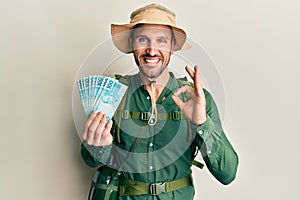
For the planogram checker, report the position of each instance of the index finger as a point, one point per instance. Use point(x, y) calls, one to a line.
point(195, 75)
point(190, 72)
point(197, 81)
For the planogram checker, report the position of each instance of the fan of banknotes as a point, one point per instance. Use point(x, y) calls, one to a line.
point(101, 94)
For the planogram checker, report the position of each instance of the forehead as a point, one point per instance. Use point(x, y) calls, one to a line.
point(157, 29)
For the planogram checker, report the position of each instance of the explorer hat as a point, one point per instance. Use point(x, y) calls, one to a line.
point(150, 14)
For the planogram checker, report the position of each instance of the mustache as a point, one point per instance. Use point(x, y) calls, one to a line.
point(151, 56)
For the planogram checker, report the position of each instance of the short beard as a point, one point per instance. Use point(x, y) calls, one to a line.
point(161, 70)
point(152, 76)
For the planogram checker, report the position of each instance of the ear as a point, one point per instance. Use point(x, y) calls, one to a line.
point(172, 46)
point(130, 44)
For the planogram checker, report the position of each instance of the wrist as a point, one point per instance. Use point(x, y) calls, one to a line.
point(200, 121)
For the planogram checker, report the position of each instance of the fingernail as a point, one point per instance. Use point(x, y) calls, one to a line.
point(98, 114)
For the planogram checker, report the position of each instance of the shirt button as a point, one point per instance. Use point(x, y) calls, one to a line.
point(151, 167)
point(201, 132)
point(208, 152)
point(151, 144)
point(148, 97)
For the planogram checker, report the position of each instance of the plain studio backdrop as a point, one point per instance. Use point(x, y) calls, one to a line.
point(255, 46)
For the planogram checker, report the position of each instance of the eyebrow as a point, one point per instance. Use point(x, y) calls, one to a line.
point(159, 37)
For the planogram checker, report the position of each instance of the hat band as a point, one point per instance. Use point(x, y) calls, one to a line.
point(153, 17)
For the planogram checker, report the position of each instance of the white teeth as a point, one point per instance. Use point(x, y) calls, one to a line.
point(152, 60)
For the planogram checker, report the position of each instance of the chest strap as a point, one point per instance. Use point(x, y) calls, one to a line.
point(126, 114)
point(130, 187)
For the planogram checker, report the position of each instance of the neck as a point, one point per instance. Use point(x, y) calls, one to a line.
point(160, 83)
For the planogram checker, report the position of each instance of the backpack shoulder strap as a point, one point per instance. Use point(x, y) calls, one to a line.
point(122, 79)
point(182, 82)
point(194, 148)
point(117, 117)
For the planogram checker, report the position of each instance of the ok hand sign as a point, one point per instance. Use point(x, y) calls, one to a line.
point(195, 108)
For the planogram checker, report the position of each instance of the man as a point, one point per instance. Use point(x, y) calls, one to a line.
point(168, 118)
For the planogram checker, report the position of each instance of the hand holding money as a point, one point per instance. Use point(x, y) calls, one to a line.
point(100, 97)
point(96, 131)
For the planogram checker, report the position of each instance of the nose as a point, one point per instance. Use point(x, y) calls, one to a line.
point(151, 49)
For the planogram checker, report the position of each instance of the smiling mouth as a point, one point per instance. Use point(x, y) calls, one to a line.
point(151, 60)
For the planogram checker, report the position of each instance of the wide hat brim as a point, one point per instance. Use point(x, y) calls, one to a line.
point(121, 34)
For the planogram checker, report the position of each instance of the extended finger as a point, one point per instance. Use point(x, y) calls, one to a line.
point(197, 81)
point(197, 76)
point(190, 72)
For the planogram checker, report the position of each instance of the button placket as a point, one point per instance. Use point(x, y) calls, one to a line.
point(150, 148)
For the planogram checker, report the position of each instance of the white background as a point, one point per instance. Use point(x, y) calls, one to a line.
point(255, 45)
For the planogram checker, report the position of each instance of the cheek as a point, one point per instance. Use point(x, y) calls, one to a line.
point(167, 56)
point(136, 55)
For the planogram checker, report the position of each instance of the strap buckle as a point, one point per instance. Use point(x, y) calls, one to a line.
point(145, 115)
point(125, 114)
point(157, 188)
point(176, 115)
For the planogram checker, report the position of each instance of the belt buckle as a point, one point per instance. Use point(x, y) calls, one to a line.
point(157, 188)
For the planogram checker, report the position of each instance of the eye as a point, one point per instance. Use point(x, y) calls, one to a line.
point(162, 41)
point(142, 40)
